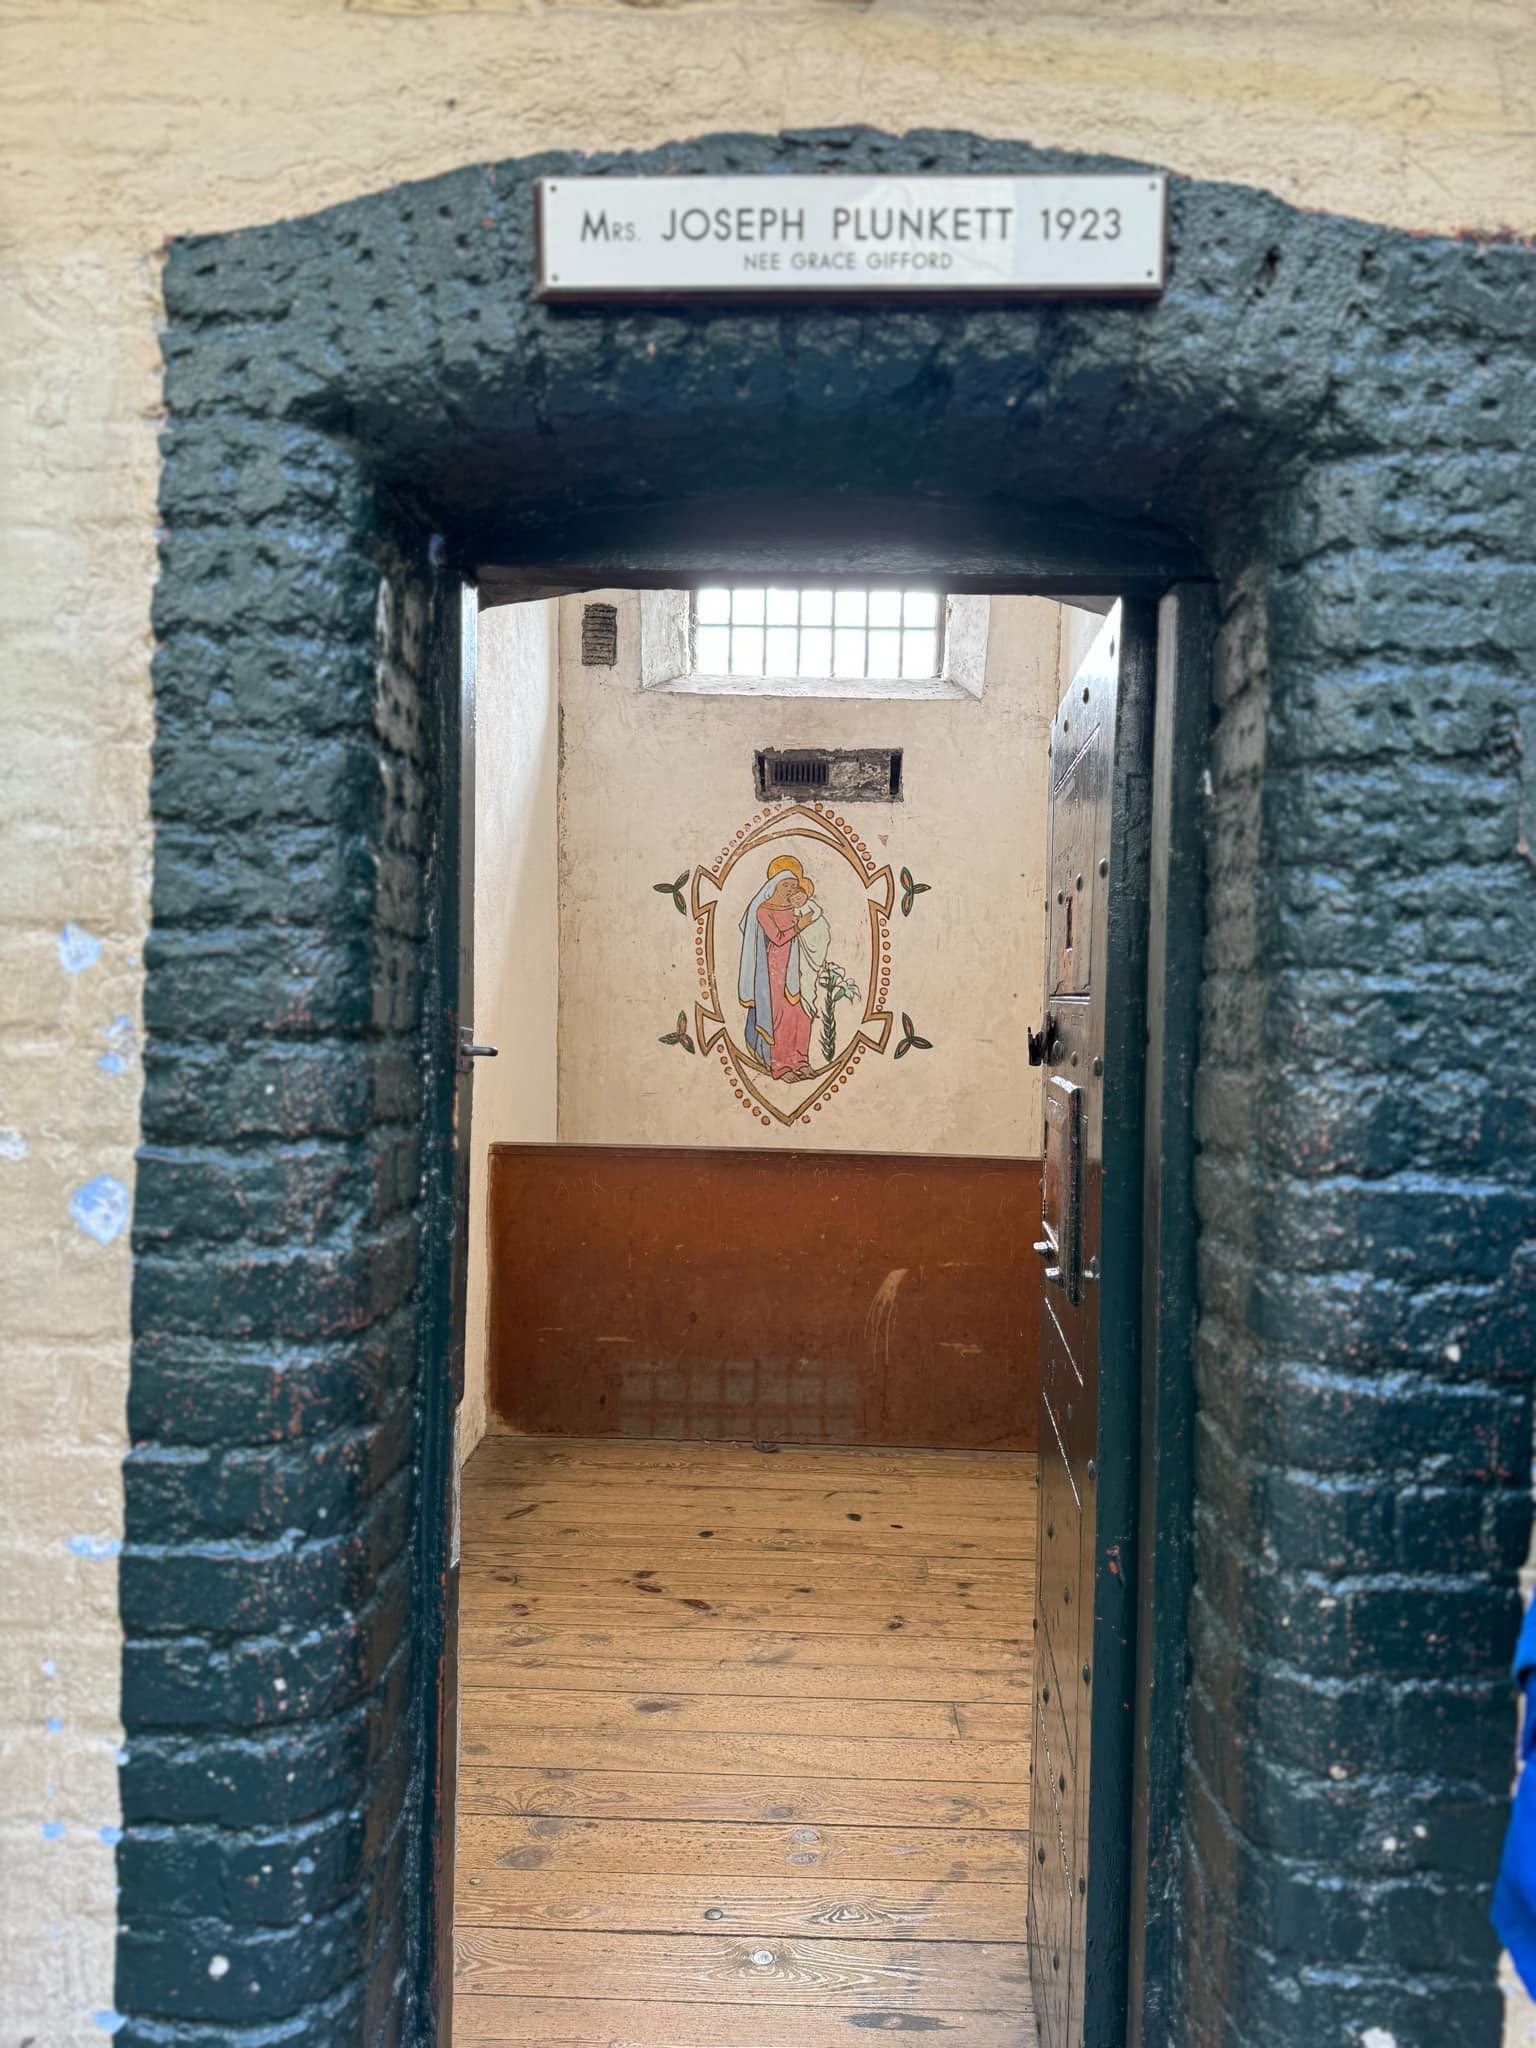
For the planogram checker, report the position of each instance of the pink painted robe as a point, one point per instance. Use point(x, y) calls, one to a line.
point(791, 1026)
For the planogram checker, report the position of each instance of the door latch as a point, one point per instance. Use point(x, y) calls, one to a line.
point(468, 1050)
point(1044, 1042)
point(1047, 1251)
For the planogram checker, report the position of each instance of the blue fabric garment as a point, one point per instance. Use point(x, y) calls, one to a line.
point(1514, 1894)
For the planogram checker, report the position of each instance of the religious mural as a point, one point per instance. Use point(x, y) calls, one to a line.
point(792, 946)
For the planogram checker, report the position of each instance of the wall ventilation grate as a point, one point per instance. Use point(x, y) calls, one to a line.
point(851, 775)
point(599, 635)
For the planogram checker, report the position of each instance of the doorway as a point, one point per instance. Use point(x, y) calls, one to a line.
point(317, 519)
point(747, 1615)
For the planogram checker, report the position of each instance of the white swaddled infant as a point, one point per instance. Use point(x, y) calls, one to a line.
point(815, 936)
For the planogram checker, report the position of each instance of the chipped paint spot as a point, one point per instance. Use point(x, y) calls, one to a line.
point(218, 1966)
point(96, 1546)
point(1377, 2037)
point(78, 949)
point(12, 1144)
point(100, 1208)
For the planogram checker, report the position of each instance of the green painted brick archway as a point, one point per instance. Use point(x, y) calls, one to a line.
point(1335, 420)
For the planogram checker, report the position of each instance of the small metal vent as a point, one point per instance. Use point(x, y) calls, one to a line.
point(852, 775)
point(599, 635)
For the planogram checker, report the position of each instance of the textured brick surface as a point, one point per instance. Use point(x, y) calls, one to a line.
point(1337, 416)
point(273, 1766)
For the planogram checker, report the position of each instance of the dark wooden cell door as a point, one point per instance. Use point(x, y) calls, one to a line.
point(451, 682)
point(1089, 1243)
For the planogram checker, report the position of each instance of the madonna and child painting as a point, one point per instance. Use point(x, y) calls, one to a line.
point(787, 985)
point(794, 885)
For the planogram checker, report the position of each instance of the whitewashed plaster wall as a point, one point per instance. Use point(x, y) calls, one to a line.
point(517, 926)
point(653, 782)
point(128, 121)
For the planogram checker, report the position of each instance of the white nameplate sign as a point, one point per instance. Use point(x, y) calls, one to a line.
point(1080, 234)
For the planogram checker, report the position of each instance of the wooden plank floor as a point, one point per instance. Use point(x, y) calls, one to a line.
point(744, 1746)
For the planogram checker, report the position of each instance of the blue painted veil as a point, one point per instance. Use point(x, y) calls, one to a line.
point(752, 978)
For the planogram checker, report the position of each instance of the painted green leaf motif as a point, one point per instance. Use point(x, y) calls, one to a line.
point(910, 1042)
point(680, 1035)
point(675, 891)
point(910, 891)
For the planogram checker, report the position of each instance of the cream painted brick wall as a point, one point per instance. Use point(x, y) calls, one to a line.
point(124, 121)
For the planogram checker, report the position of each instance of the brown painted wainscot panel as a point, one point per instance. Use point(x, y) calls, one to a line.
point(788, 1297)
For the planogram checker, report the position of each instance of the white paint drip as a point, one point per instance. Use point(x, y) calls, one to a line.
point(882, 1316)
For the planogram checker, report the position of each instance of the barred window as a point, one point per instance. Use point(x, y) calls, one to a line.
point(787, 632)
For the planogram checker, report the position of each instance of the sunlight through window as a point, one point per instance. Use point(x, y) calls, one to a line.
point(788, 633)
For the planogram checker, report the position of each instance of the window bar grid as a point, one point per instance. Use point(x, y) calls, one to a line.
point(837, 633)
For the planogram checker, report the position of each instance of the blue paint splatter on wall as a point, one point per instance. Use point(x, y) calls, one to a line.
point(50, 1830)
point(100, 1208)
point(120, 1037)
point(111, 1836)
point(110, 2022)
point(95, 1546)
point(78, 949)
point(54, 1725)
